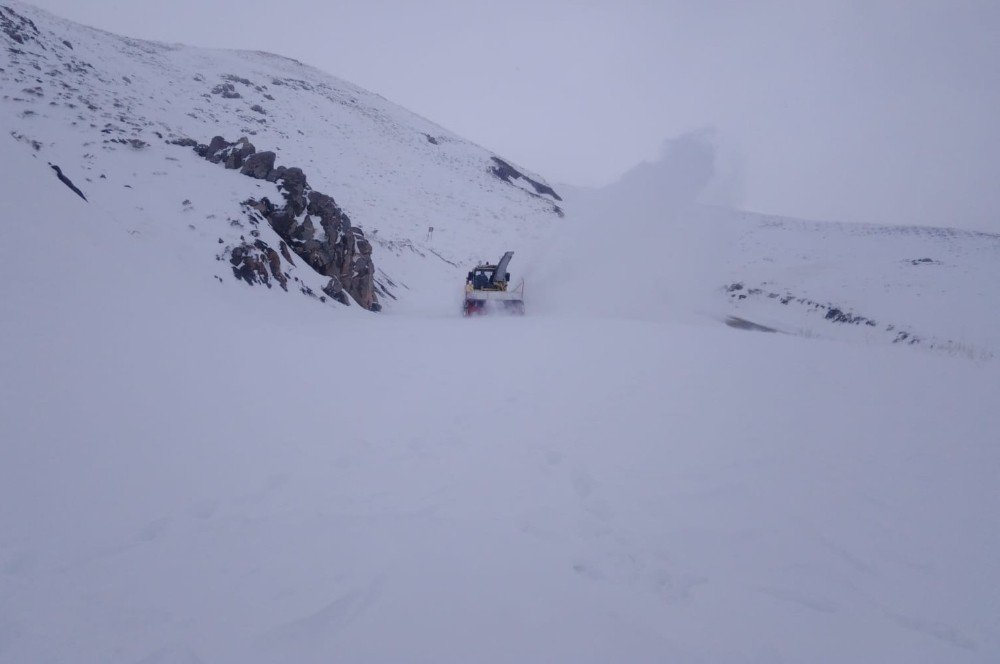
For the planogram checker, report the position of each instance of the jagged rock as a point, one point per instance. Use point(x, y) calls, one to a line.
point(257, 263)
point(342, 253)
point(238, 153)
point(283, 222)
point(335, 290)
point(326, 209)
point(215, 147)
point(293, 184)
point(362, 284)
point(259, 165)
point(248, 266)
point(508, 173)
point(307, 231)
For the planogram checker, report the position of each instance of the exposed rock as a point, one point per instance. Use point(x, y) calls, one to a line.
point(341, 252)
point(335, 290)
point(136, 143)
point(237, 79)
point(227, 90)
point(305, 231)
point(214, 148)
point(508, 174)
point(257, 263)
point(185, 142)
point(238, 153)
point(259, 165)
point(66, 181)
point(232, 155)
point(257, 108)
point(276, 174)
point(17, 27)
point(292, 184)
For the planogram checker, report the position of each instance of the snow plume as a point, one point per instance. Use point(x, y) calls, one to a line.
point(640, 247)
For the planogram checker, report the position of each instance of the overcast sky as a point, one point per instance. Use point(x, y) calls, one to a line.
point(865, 110)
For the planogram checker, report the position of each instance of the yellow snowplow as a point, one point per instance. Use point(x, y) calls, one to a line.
point(488, 290)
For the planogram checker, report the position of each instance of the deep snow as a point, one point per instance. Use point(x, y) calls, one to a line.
point(200, 471)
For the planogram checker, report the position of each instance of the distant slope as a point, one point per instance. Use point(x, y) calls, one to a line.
point(645, 247)
point(916, 286)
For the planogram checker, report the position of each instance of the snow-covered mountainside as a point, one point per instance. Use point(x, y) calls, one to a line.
point(194, 469)
point(108, 111)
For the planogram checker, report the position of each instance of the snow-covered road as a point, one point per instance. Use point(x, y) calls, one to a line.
point(214, 485)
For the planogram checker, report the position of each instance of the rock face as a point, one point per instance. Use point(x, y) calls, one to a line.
point(310, 222)
point(508, 173)
point(504, 171)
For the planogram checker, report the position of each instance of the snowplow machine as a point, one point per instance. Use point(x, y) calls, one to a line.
point(488, 290)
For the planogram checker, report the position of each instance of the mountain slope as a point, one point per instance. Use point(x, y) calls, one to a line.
point(102, 106)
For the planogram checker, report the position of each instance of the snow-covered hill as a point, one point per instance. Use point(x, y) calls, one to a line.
point(104, 109)
point(196, 470)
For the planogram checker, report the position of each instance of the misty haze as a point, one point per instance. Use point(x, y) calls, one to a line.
point(499, 332)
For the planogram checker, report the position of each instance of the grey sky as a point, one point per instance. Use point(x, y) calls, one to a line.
point(861, 110)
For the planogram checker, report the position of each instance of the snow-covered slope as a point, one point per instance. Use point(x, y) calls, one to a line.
point(102, 106)
point(194, 470)
point(646, 247)
point(932, 288)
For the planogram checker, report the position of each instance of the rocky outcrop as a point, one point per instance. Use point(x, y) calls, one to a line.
point(310, 222)
point(227, 90)
point(257, 263)
point(231, 154)
point(504, 171)
point(17, 28)
point(259, 165)
point(508, 173)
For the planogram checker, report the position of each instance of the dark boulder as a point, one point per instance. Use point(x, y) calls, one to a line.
point(238, 153)
point(215, 148)
point(276, 174)
point(259, 165)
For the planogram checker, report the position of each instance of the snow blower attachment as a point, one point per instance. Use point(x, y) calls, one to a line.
point(487, 290)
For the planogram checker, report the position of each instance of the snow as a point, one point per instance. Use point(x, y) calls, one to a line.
point(201, 471)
